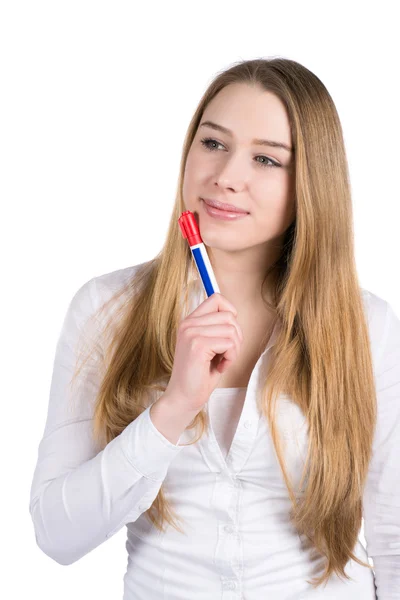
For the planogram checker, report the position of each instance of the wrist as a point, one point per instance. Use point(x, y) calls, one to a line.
point(169, 416)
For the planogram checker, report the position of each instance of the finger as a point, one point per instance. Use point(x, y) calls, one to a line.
point(215, 302)
point(215, 318)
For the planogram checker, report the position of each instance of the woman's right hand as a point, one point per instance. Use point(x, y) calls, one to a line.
point(208, 343)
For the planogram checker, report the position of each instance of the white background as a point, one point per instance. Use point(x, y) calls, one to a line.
point(96, 98)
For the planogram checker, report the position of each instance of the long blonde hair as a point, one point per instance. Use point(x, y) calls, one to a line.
point(321, 357)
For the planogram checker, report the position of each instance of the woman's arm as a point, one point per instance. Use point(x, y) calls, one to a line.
point(382, 492)
point(81, 496)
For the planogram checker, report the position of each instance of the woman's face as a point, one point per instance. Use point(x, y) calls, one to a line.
point(234, 167)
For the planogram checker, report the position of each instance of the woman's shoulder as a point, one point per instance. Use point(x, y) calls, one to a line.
point(115, 280)
point(101, 287)
point(383, 324)
point(378, 309)
point(96, 295)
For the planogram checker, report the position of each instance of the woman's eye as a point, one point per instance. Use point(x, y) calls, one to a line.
point(207, 143)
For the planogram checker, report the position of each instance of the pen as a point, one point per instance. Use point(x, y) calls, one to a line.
point(191, 232)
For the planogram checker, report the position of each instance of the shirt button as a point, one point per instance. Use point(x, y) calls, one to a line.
point(230, 585)
point(229, 528)
point(247, 424)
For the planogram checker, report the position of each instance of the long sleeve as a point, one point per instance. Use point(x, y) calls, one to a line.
point(80, 496)
point(382, 492)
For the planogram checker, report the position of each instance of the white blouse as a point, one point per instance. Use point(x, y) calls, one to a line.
point(228, 487)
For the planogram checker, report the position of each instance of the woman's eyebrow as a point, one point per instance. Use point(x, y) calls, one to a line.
point(256, 141)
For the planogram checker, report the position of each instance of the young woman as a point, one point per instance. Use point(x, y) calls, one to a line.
point(265, 418)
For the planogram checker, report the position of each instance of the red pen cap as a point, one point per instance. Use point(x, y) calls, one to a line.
point(190, 229)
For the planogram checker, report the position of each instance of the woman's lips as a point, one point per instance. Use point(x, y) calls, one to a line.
point(224, 207)
point(223, 215)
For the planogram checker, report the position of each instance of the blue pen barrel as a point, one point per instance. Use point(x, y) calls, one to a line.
point(205, 269)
